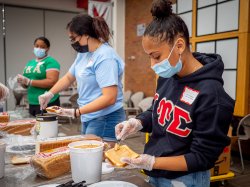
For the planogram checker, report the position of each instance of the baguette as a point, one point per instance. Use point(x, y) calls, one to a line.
point(114, 155)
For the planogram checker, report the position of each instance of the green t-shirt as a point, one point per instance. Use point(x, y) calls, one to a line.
point(35, 70)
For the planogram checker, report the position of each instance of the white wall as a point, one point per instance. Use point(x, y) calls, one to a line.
point(119, 28)
point(60, 49)
point(67, 5)
point(22, 27)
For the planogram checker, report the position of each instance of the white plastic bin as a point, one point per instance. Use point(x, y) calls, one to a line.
point(46, 126)
point(86, 163)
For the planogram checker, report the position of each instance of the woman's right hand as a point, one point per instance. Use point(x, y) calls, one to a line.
point(23, 80)
point(4, 92)
point(126, 128)
point(44, 99)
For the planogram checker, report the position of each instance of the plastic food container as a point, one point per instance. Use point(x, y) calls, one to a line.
point(86, 160)
point(46, 126)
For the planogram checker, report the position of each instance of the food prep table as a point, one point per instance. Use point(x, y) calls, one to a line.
point(22, 176)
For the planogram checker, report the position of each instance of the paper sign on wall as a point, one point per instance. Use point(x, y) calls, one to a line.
point(101, 9)
point(140, 29)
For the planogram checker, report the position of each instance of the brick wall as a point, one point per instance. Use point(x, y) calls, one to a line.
point(138, 74)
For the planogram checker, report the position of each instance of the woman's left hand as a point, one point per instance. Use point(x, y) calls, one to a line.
point(144, 161)
point(68, 112)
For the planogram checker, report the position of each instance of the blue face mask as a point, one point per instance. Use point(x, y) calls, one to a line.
point(164, 68)
point(39, 52)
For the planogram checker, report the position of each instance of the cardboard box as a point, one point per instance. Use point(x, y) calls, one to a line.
point(222, 165)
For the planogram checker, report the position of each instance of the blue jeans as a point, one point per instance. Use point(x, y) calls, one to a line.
point(197, 179)
point(104, 126)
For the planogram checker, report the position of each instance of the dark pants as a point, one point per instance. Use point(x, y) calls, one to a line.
point(35, 109)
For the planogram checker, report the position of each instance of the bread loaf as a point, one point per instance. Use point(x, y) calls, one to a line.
point(21, 127)
point(114, 155)
point(51, 163)
point(4, 117)
point(52, 143)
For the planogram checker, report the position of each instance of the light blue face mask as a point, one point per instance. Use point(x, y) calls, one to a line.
point(39, 52)
point(164, 68)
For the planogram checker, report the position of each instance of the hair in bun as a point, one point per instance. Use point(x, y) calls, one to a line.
point(166, 26)
point(161, 9)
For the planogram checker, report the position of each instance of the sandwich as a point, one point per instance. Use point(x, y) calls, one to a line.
point(114, 155)
point(53, 109)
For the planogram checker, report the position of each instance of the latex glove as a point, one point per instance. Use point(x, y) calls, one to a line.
point(23, 80)
point(126, 128)
point(144, 161)
point(4, 92)
point(44, 99)
point(68, 112)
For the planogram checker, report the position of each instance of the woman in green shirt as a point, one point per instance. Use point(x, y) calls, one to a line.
point(39, 75)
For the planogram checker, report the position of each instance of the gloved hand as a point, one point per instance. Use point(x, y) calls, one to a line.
point(4, 92)
point(68, 112)
point(126, 128)
point(144, 161)
point(44, 99)
point(23, 80)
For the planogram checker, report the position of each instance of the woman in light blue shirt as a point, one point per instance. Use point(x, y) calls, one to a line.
point(98, 70)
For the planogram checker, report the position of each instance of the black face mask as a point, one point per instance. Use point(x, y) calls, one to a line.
point(79, 48)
